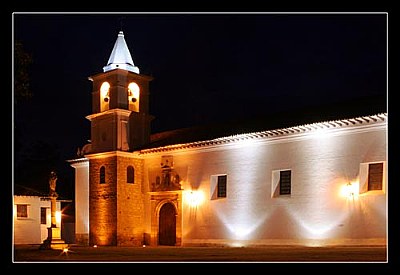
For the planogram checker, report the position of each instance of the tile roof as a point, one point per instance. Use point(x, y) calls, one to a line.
point(363, 109)
point(28, 191)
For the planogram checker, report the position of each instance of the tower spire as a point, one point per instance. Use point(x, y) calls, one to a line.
point(120, 57)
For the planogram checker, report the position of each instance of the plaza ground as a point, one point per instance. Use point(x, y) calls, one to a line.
point(274, 254)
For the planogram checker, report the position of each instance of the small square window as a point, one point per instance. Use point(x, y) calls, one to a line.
point(375, 176)
point(372, 177)
point(218, 186)
point(281, 183)
point(22, 211)
point(221, 186)
point(102, 174)
point(285, 182)
point(130, 174)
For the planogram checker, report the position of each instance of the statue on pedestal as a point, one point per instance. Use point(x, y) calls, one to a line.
point(53, 240)
point(52, 184)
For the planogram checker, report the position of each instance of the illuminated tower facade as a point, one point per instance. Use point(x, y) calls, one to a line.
point(120, 123)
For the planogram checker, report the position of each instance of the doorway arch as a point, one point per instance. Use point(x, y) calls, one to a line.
point(167, 225)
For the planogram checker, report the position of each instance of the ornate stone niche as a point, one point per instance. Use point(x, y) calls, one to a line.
point(167, 179)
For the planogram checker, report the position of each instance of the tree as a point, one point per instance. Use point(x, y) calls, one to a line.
point(22, 91)
point(22, 62)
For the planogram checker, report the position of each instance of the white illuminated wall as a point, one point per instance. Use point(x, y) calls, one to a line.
point(81, 200)
point(318, 211)
point(29, 230)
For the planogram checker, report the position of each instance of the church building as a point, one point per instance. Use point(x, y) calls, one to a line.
point(317, 183)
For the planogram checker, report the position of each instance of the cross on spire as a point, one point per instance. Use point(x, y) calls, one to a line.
point(121, 22)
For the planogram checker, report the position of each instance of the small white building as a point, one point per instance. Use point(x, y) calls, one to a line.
point(316, 183)
point(32, 217)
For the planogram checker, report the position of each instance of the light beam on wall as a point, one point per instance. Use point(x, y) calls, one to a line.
point(240, 216)
point(242, 227)
point(321, 222)
point(320, 228)
point(102, 218)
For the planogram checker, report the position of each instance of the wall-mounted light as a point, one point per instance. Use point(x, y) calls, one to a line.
point(194, 198)
point(350, 190)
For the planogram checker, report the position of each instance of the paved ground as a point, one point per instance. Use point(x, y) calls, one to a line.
point(32, 253)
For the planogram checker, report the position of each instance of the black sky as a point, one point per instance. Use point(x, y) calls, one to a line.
point(207, 67)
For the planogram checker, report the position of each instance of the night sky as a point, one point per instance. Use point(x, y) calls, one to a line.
point(206, 67)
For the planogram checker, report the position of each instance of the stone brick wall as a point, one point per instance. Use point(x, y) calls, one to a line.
point(103, 202)
point(130, 205)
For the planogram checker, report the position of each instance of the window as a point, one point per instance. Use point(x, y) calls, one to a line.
point(130, 174)
point(281, 183)
point(102, 174)
point(285, 182)
point(372, 177)
point(43, 215)
point(375, 176)
point(22, 211)
point(133, 96)
point(221, 186)
point(218, 186)
point(104, 96)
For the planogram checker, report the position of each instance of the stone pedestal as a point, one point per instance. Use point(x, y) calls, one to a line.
point(54, 237)
point(53, 240)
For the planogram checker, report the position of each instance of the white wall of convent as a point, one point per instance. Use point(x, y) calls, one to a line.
point(317, 211)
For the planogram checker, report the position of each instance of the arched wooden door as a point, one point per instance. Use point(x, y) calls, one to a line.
point(167, 225)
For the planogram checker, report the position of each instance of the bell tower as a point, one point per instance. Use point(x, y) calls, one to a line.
point(120, 124)
point(120, 119)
